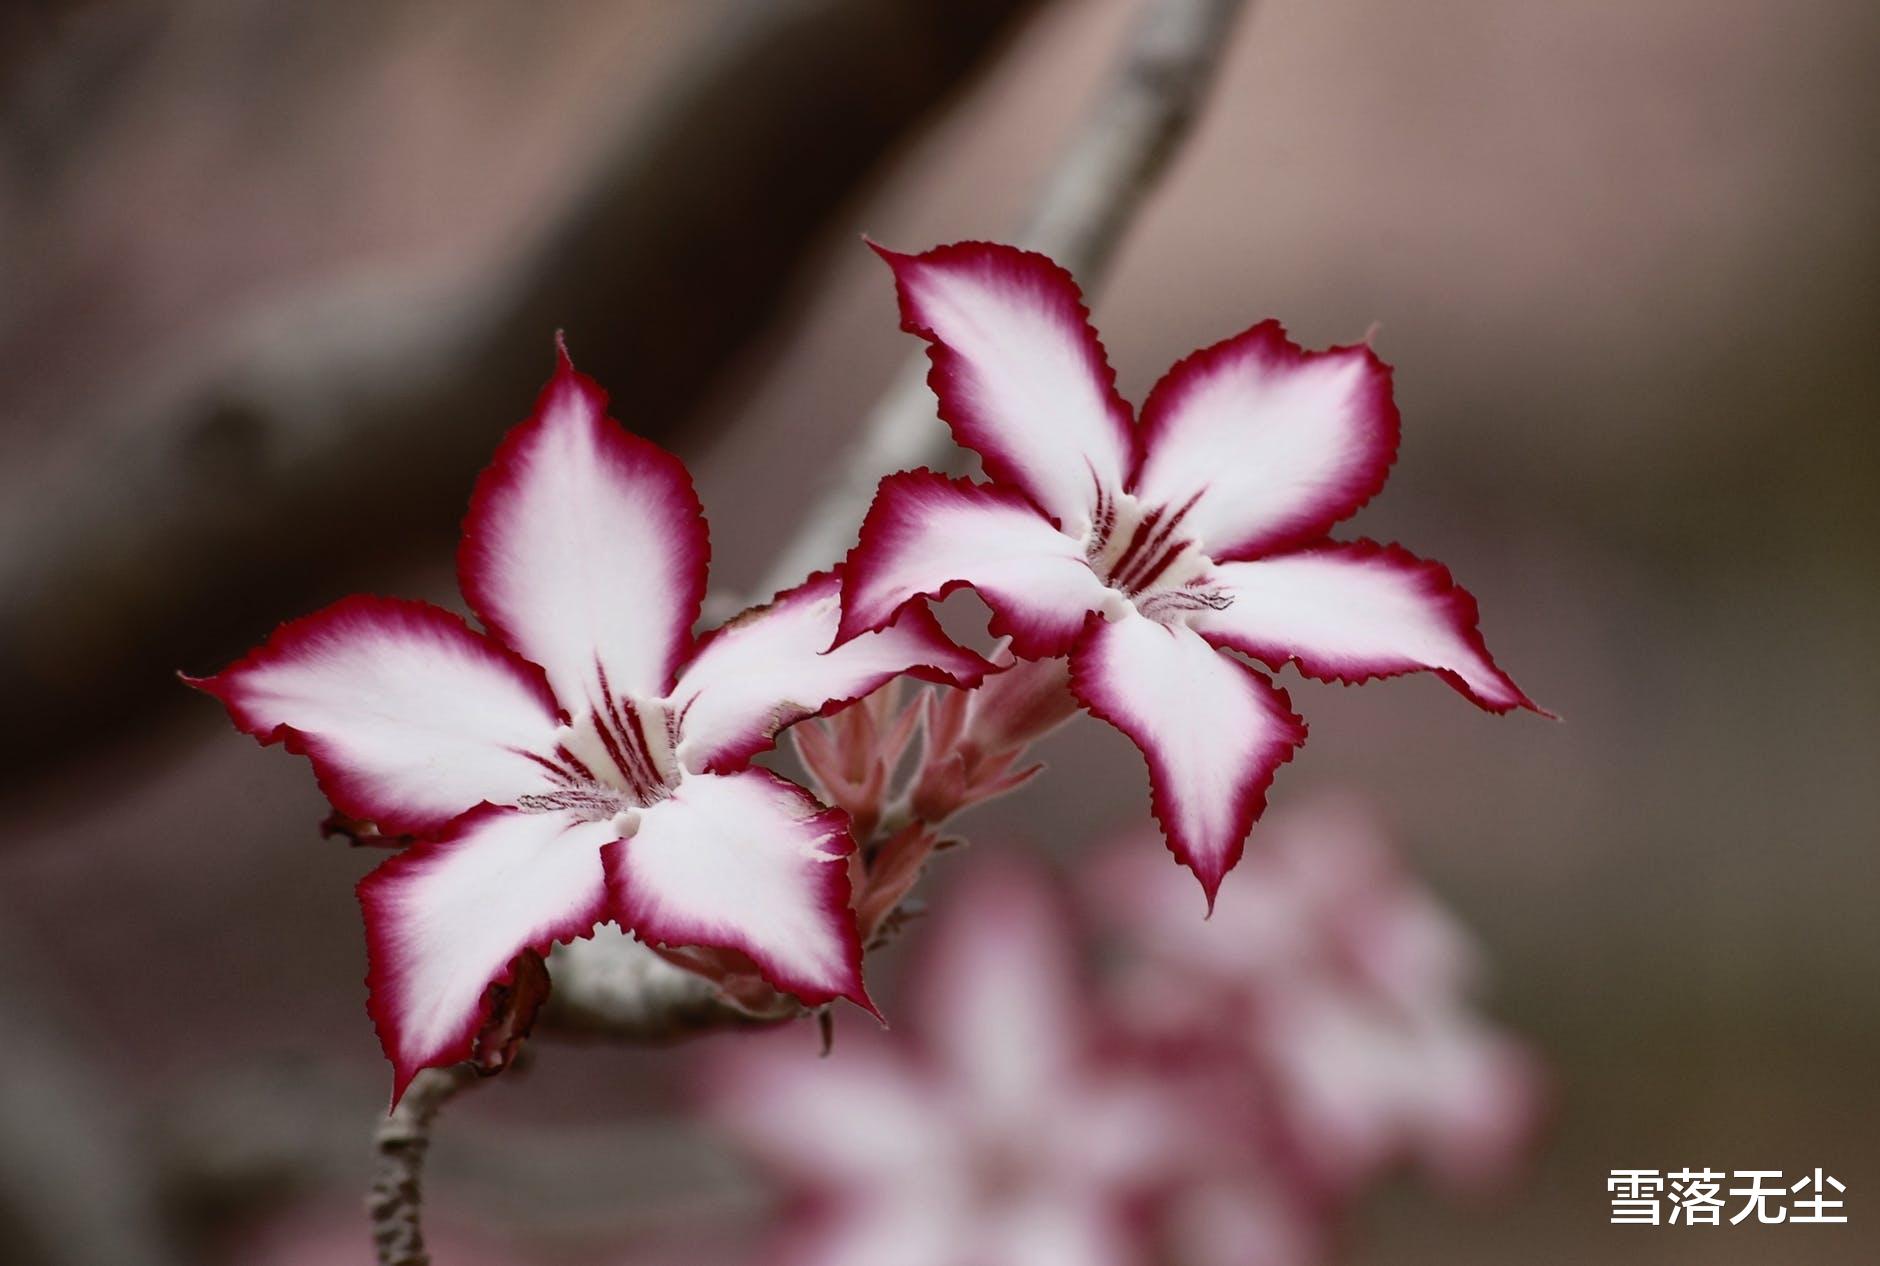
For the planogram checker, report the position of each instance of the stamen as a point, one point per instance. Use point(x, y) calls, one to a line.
point(1104, 513)
point(642, 742)
point(612, 744)
point(1156, 568)
point(629, 745)
point(634, 764)
point(1157, 604)
point(591, 802)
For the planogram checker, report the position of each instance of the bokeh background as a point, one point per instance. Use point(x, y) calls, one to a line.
point(273, 278)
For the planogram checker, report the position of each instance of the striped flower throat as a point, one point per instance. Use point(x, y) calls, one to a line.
point(1142, 554)
point(615, 758)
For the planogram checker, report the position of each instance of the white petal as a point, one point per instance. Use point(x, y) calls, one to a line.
point(1273, 444)
point(911, 1227)
point(1059, 1228)
point(1213, 731)
point(1353, 612)
point(926, 535)
point(862, 1118)
point(445, 918)
point(585, 548)
point(746, 862)
point(999, 997)
point(1019, 373)
point(409, 717)
point(772, 666)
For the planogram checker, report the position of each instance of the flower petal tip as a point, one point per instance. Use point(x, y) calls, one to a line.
point(210, 685)
point(1213, 732)
point(792, 917)
point(1017, 371)
point(859, 996)
point(888, 254)
point(448, 918)
point(571, 494)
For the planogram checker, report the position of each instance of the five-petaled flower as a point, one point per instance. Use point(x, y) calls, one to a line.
point(587, 759)
point(1198, 528)
point(1216, 1093)
point(1010, 1132)
point(1351, 989)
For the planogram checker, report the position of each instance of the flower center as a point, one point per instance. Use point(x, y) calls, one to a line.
point(1141, 552)
point(616, 757)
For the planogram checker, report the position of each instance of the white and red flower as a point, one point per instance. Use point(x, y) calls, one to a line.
point(586, 759)
point(1197, 528)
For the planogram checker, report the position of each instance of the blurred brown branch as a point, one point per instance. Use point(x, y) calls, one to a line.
point(345, 427)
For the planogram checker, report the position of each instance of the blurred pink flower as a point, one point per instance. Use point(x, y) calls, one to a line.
point(1006, 1132)
point(1350, 990)
point(1218, 1097)
point(1140, 547)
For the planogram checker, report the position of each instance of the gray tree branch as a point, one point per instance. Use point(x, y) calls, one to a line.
point(610, 986)
point(396, 1200)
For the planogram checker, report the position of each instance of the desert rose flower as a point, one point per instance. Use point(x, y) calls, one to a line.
point(1144, 547)
point(585, 758)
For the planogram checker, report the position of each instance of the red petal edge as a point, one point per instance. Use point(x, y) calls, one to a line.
point(879, 525)
point(288, 638)
point(835, 900)
point(1435, 579)
point(380, 952)
point(974, 668)
point(970, 430)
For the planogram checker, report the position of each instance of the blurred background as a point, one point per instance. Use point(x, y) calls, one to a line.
point(275, 277)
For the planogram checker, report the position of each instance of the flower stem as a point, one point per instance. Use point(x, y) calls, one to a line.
point(395, 1201)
